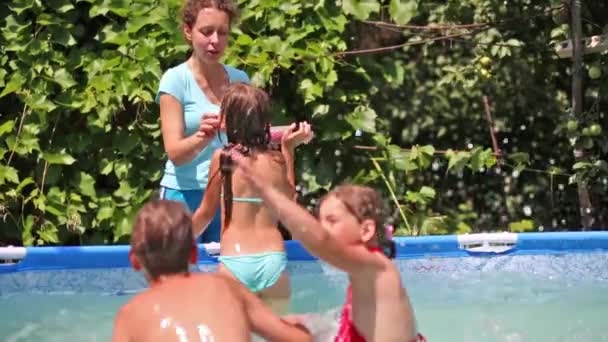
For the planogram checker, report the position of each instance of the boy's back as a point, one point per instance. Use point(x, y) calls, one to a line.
point(190, 307)
point(183, 306)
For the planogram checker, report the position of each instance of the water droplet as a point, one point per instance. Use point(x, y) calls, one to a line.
point(515, 174)
point(298, 188)
point(505, 140)
point(337, 152)
point(563, 221)
point(560, 187)
point(205, 333)
point(165, 323)
point(435, 166)
point(527, 210)
point(358, 133)
point(469, 146)
point(552, 161)
point(541, 228)
point(588, 210)
point(237, 247)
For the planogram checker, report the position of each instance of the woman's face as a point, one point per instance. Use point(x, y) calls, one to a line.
point(209, 34)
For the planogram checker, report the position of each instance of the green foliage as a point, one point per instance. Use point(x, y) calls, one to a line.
point(82, 151)
point(81, 144)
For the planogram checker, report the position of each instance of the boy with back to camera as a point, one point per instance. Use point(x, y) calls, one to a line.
point(183, 306)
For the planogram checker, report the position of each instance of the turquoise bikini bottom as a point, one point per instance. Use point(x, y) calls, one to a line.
point(256, 271)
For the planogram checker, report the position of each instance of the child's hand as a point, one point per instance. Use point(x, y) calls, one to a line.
point(296, 136)
point(296, 321)
point(293, 319)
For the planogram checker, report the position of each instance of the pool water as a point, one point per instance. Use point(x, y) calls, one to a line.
point(509, 298)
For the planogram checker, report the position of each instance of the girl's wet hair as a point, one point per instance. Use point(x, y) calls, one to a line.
point(246, 111)
point(193, 7)
point(162, 237)
point(365, 203)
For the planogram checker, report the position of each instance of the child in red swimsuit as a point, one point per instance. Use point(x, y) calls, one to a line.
point(349, 235)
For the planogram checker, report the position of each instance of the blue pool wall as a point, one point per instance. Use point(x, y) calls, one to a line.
point(92, 257)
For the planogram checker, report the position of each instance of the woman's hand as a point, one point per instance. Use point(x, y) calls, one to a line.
point(296, 136)
point(210, 122)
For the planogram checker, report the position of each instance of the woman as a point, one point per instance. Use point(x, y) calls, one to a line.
point(189, 96)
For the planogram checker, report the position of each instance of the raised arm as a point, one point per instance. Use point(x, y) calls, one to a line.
point(292, 138)
point(211, 199)
point(306, 228)
point(182, 149)
point(265, 322)
point(288, 156)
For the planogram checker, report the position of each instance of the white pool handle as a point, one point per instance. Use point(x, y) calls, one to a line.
point(488, 242)
point(212, 248)
point(12, 253)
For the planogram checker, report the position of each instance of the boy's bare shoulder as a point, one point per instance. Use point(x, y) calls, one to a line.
point(131, 306)
point(214, 280)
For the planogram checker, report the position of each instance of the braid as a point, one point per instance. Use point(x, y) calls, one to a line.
point(226, 166)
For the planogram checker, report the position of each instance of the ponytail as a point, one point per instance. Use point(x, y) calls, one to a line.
point(388, 245)
point(226, 163)
point(389, 248)
point(226, 166)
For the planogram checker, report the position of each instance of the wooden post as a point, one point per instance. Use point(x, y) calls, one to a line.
point(585, 207)
point(490, 120)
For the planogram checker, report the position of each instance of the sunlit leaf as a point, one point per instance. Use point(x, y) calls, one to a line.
point(58, 158)
point(361, 9)
point(402, 11)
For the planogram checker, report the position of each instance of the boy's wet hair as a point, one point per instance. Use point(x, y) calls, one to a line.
point(365, 203)
point(162, 237)
point(246, 110)
point(193, 7)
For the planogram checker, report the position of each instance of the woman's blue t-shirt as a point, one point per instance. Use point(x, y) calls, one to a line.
point(181, 84)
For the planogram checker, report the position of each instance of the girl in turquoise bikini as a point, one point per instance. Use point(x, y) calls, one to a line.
point(252, 248)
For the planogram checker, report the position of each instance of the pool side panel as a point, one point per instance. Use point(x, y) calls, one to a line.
point(93, 257)
point(560, 243)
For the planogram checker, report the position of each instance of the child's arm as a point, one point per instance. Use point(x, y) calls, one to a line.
point(292, 138)
point(305, 228)
point(288, 156)
point(265, 322)
point(211, 200)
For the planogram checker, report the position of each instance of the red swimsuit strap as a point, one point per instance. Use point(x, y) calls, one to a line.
point(375, 249)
